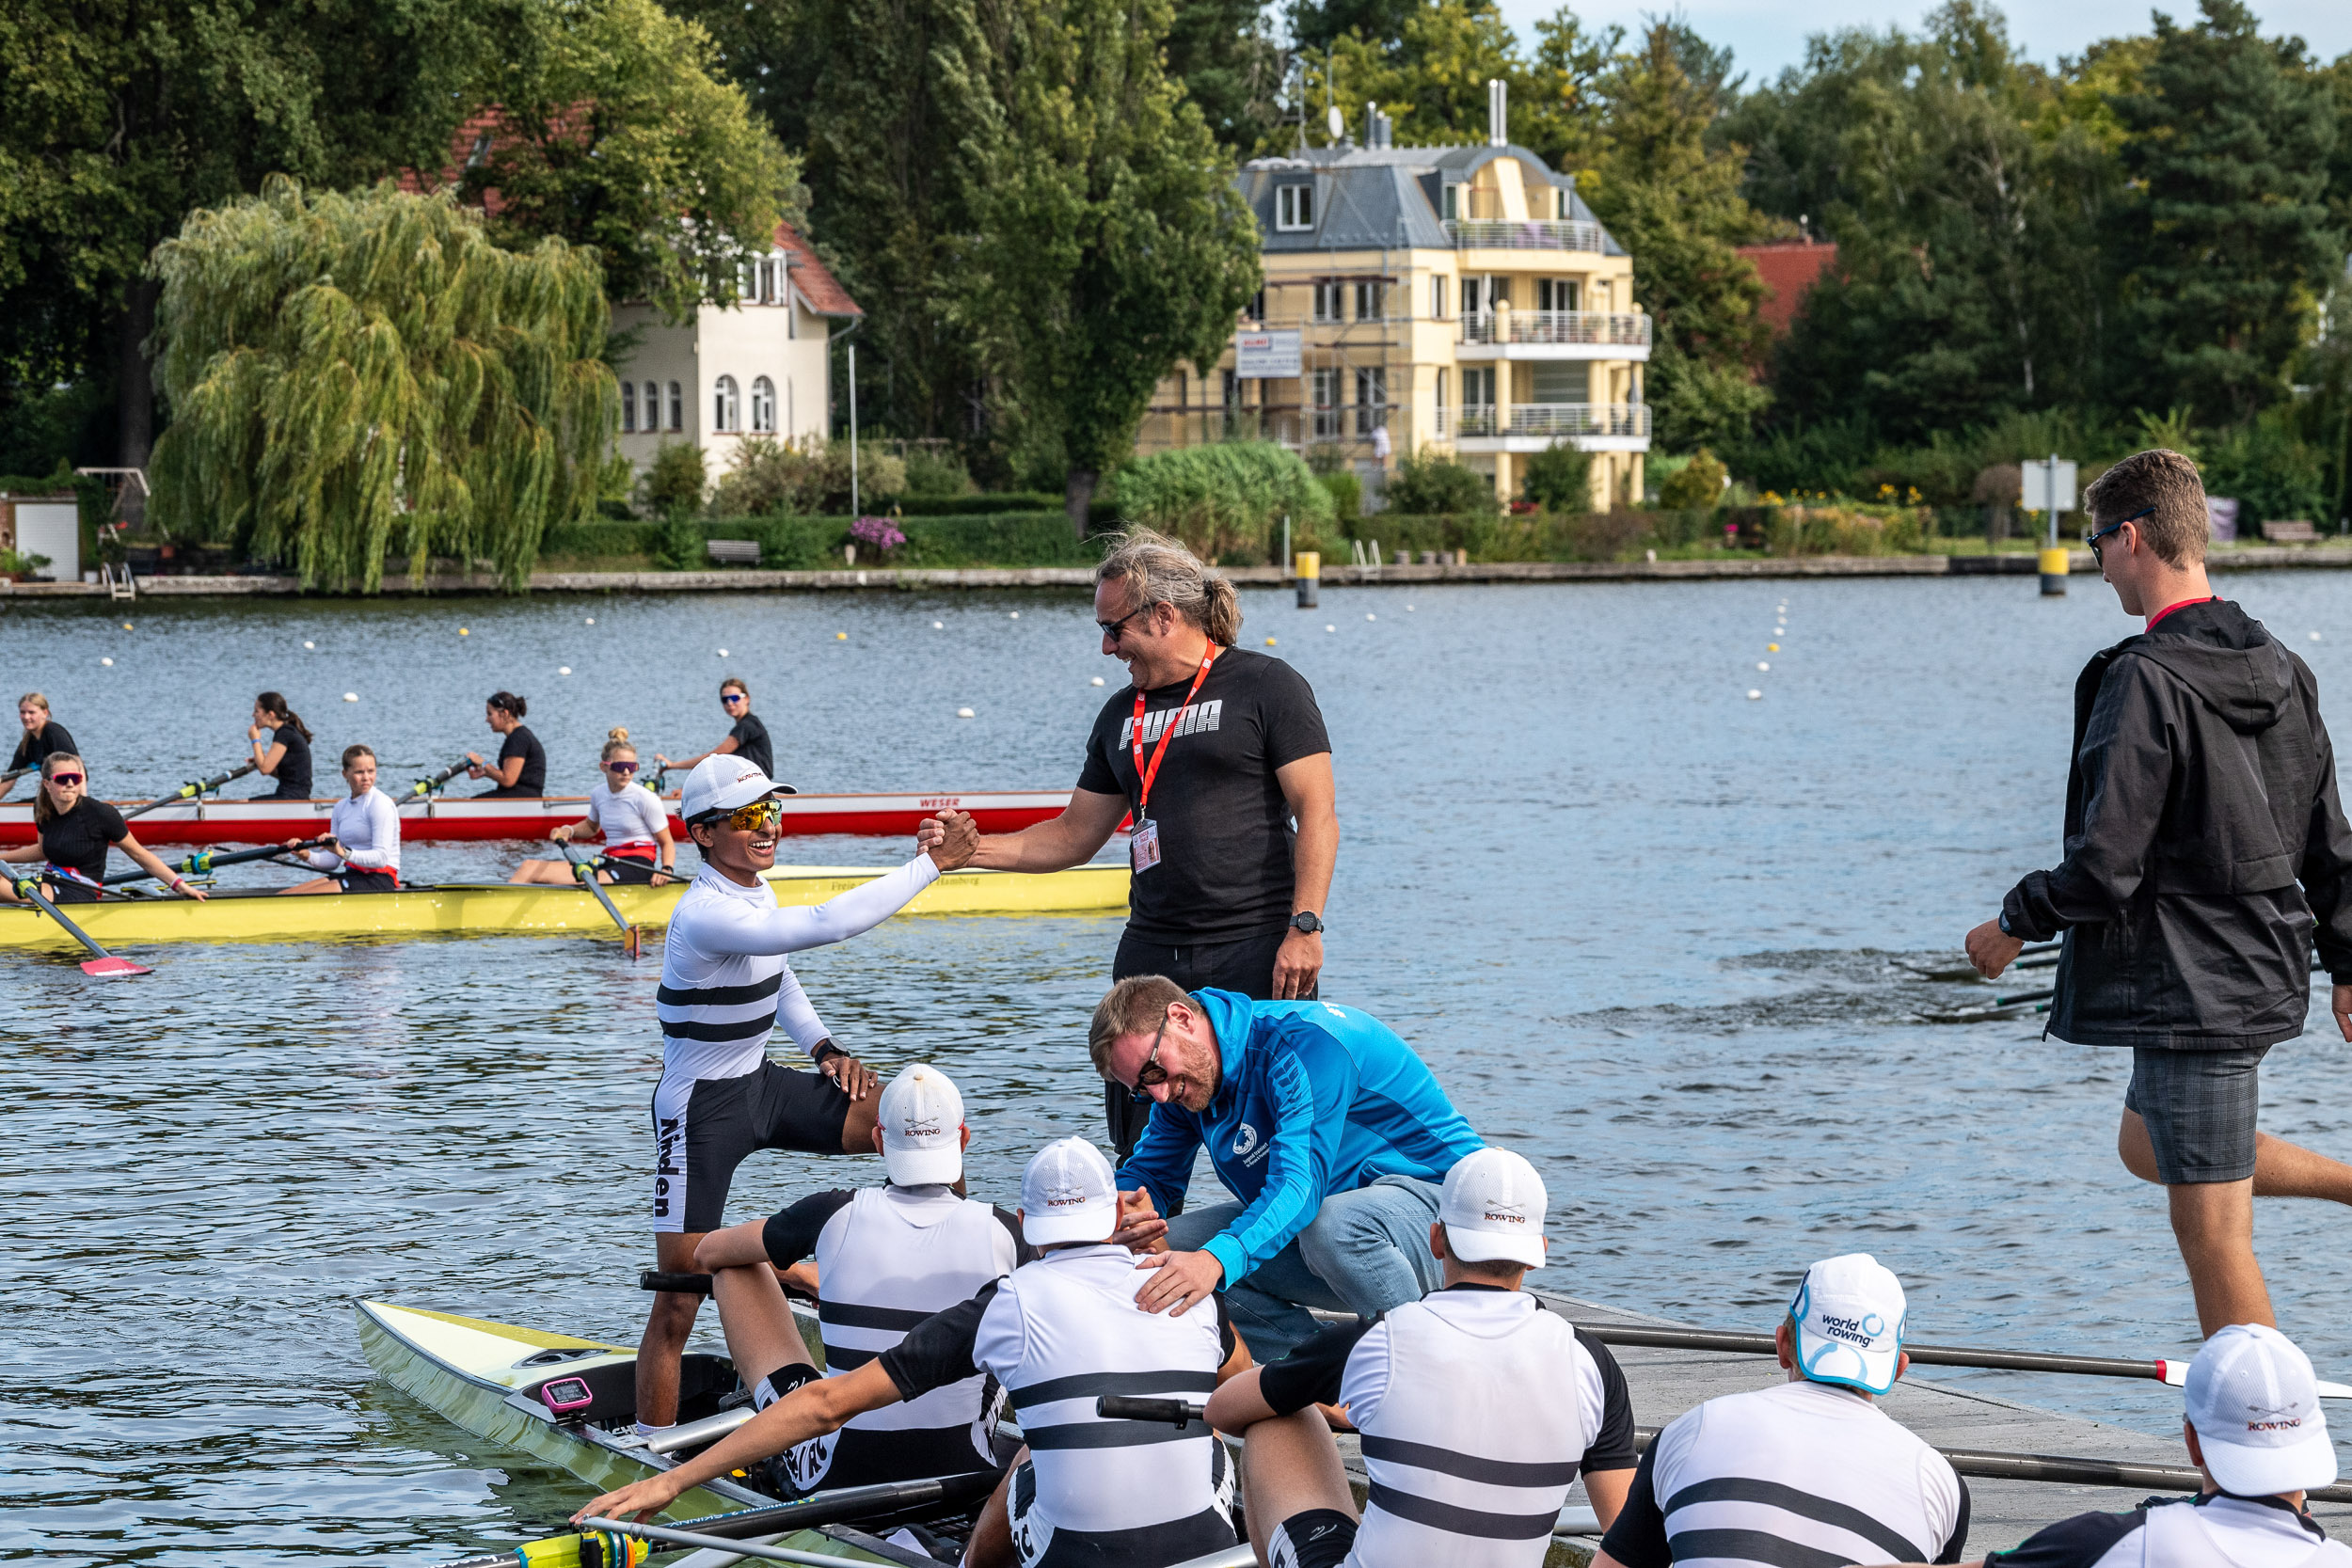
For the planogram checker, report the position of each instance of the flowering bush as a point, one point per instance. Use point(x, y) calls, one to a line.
point(881, 533)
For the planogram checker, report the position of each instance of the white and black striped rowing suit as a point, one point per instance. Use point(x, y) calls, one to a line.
point(1796, 1473)
point(888, 1258)
point(1478, 1409)
point(2183, 1533)
point(1059, 1334)
point(724, 987)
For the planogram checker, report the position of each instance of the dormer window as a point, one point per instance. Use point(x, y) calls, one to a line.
point(1293, 207)
point(1453, 202)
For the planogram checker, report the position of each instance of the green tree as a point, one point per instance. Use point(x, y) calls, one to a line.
point(612, 131)
point(1109, 243)
point(1219, 50)
point(2230, 239)
point(353, 372)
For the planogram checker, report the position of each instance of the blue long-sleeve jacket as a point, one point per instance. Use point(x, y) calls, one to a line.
point(1315, 1100)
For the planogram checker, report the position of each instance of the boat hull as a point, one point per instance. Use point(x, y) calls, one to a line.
point(501, 909)
point(217, 821)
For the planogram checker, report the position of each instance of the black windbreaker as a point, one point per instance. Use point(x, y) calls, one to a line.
point(2204, 791)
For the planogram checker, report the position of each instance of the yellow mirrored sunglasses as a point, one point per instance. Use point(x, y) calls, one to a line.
point(764, 812)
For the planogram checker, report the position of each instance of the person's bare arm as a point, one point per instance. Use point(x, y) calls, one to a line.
point(1071, 839)
point(1605, 1490)
point(1312, 798)
point(266, 763)
point(736, 1246)
point(1238, 1405)
point(149, 860)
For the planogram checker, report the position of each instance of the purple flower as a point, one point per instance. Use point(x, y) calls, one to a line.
point(881, 533)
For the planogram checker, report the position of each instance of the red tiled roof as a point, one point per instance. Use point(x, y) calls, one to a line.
point(816, 282)
point(1789, 269)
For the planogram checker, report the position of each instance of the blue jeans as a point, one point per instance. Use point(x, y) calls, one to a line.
point(1364, 1252)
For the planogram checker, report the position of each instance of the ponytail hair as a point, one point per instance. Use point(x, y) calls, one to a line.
point(275, 705)
point(506, 702)
point(354, 753)
point(615, 741)
point(1158, 570)
point(44, 809)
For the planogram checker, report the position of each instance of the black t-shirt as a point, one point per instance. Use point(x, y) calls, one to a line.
point(78, 839)
point(752, 744)
point(31, 748)
point(533, 780)
point(791, 1233)
point(938, 1350)
point(294, 768)
point(1225, 830)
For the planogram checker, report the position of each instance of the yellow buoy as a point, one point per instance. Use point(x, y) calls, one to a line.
point(463, 632)
point(841, 637)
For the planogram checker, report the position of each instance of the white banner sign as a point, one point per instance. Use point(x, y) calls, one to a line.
point(1266, 356)
point(2044, 474)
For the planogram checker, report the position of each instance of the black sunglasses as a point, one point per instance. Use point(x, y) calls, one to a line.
point(1150, 1074)
point(2095, 538)
point(1112, 628)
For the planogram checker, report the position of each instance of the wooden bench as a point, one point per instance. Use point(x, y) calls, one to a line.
point(2290, 533)
point(735, 552)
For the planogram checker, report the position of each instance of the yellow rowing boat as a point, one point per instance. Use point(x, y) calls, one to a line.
point(502, 909)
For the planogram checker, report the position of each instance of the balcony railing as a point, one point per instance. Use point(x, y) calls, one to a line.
point(1618, 330)
point(1525, 234)
point(1554, 419)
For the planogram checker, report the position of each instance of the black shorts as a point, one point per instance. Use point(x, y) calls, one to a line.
point(852, 1456)
point(1038, 1543)
point(358, 881)
point(702, 1127)
point(624, 868)
point(1314, 1538)
point(2199, 1108)
point(64, 891)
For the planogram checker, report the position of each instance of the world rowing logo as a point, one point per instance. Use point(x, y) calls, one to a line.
point(927, 1128)
point(1506, 1214)
point(1244, 1139)
point(1068, 1196)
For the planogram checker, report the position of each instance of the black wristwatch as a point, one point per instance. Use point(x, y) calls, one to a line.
point(825, 1051)
point(1307, 921)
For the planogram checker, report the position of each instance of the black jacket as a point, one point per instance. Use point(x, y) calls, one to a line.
point(2203, 790)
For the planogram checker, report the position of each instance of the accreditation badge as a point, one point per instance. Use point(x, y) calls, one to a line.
point(1144, 847)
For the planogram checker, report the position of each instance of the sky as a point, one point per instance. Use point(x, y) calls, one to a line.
point(1764, 39)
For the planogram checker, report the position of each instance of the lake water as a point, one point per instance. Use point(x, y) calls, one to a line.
point(1645, 928)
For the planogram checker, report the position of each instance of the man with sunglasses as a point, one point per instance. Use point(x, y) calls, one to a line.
point(2206, 852)
point(724, 987)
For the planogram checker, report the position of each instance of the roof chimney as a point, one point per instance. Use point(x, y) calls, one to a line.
point(1498, 112)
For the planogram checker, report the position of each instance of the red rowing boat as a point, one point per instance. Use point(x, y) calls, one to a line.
point(217, 821)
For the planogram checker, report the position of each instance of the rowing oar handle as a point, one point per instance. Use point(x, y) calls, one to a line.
point(1175, 1413)
point(677, 1284)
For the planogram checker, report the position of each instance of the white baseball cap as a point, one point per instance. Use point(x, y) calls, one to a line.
point(922, 1128)
point(2255, 1405)
point(1492, 1208)
point(1847, 1313)
point(723, 782)
point(1068, 1194)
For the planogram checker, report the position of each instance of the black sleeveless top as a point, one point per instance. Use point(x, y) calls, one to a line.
point(533, 781)
point(294, 768)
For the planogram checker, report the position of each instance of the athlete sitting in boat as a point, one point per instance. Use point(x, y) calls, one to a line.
point(888, 1257)
point(2255, 1430)
point(634, 822)
point(362, 853)
point(1477, 1408)
point(73, 829)
point(1057, 1333)
point(724, 985)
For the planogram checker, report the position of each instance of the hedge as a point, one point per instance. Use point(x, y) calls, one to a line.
point(811, 543)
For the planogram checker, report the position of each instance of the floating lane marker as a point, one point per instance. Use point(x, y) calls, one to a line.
point(463, 632)
point(1016, 615)
point(1331, 628)
point(963, 713)
point(350, 696)
point(1097, 680)
point(108, 662)
point(563, 669)
point(310, 644)
point(1370, 616)
point(723, 652)
point(841, 637)
point(939, 625)
point(1761, 665)
point(1753, 694)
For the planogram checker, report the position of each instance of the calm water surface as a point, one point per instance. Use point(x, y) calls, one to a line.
point(1645, 928)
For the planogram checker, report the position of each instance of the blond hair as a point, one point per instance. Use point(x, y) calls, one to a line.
point(1132, 1006)
point(1159, 570)
point(2166, 481)
point(616, 742)
point(34, 699)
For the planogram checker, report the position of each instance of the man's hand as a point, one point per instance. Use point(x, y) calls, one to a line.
point(951, 839)
point(639, 1500)
point(1992, 949)
point(850, 1075)
point(562, 835)
point(800, 1279)
point(1140, 1228)
point(1179, 1279)
point(2340, 1004)
point(1297, 965)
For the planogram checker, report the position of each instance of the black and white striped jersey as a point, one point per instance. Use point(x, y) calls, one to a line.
point(1799, 1472)
point(2183, 1533)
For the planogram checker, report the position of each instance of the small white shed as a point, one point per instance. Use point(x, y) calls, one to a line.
point(45, 524)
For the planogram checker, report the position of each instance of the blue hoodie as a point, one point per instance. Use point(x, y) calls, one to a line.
point(1315, 1100)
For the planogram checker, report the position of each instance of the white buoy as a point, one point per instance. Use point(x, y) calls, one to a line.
point(963, 713)
point(350, 696)
point(1097, 680)
point(1408, 607)
point(1370, 617)
point(939, 625)
point(2314, 637)
point(723, 652)
point(108, 662)
point(310, 644)
point(592, 620)
point(1753, 694)
point(1761, 665)
point(1016, 615)
point(563, 669)
point(1331, 628)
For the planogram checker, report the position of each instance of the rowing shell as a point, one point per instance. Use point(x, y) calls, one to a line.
point(503, 908)
point(219, 821)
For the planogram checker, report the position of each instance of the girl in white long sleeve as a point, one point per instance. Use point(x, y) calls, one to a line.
point(362, 853)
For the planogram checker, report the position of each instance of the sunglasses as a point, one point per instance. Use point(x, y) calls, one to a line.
point(759, 814)
point(1150, 1074)
point(1112, 628)
point(65, 778)
point(620, 767)
point(734, 697)
point(2098, 536)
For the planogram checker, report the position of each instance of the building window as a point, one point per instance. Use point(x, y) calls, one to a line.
point(678, 405)
point(791, 311)
point(1372, 302)
point(1453, 202)
point(1441, 400)
point(1293, 207)
point(1371, 399)
point(1326, 390)
point(1328, 301)
point(1473, 295)
point(763, 407)
point(726, 413)
point(628, 408)
point(1556, 293)
point(1438, 282)
point(1478, 388)
point(1232, 390)
point(1257, 304)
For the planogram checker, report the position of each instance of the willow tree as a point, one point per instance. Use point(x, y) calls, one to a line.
point(352, 374)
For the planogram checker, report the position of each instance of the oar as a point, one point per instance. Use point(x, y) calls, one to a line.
point(631, 937)
point(204, 862)
point(105, 966)
point(420, 788)
point(192, 790)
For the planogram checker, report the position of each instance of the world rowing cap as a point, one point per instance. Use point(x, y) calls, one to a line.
point(2255, 1405)
point(722, 781)
point(1067, 1195)
point(1492, 1208)
point(1847, 1314)
point(922, 1128)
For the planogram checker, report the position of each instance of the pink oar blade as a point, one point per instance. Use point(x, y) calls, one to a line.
point(113, 969)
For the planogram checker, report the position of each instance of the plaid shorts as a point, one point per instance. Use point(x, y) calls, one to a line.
point(2200, 1107)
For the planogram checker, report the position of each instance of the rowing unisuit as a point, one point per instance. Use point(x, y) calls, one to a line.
point(631, 819)
point(368, 827)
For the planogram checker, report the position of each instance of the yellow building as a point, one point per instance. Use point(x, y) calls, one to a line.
point(1460, 299)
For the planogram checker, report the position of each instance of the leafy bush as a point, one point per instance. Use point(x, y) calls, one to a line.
point(1347, 495)
point(914, 504)
point(12, 563)
point(803, 476)
point(1428, 485)
point(673, 486)
point(881, 533)
point(1560, 477)
point(1224, 500)
point(2274, 476)
point(1698, 483)
point(936, 473)
point(678, 546)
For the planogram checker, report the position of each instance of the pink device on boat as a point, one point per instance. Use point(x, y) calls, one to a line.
point(564, 1395)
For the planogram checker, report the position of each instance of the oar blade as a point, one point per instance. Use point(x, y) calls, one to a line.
point(635, 942)
point(113, 969)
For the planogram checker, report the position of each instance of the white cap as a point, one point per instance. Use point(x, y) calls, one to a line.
point(1067, 1195)
point(922, 1128)
point(1847, 1313)
point(1493, 1209)
point(723, 782)
point(2255, 1405)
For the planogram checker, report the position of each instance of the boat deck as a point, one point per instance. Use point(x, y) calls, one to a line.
point(1667, 1383)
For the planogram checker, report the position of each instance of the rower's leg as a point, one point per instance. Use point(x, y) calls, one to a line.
point(2214, 1221)
point(1290, 1465)
point(762, 1336)
point(2283, 1169)
point(991, 1545)
point(857, 1132)
point(663, 1345)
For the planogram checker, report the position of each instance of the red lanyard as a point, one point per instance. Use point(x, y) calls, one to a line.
point(1135, 737)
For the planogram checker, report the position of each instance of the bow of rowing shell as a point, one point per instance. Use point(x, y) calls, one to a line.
point(219, 821)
